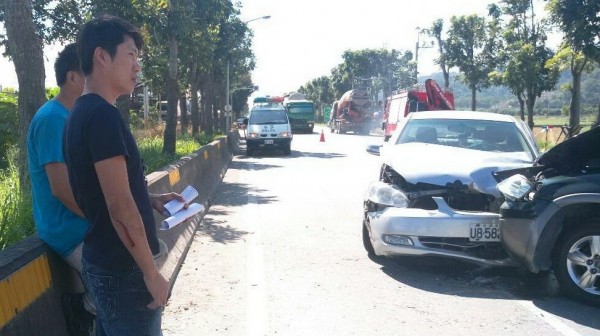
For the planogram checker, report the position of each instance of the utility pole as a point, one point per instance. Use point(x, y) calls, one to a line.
point(418, 46)
point(228, 108)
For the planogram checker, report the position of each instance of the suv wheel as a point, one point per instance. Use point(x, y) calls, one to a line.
point(576, 262)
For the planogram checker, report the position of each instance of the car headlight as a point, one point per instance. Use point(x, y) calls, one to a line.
point(285, 135)
point(386, 194)
point(252, 135)
point(515, 187)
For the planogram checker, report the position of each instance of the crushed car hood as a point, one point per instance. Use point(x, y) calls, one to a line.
point(440, 165)
point(573, 152)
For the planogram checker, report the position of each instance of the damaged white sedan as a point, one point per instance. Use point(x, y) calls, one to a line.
point(436, 194)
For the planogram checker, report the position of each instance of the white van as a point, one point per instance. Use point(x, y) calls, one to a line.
point(268, 127)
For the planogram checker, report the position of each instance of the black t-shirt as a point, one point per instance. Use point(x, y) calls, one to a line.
point(95, 131)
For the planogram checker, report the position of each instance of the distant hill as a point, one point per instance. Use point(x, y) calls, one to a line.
point(499, 99)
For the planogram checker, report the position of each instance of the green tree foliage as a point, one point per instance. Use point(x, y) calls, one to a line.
point(188, 43)
point(522, 58)
point(578, 20)
point(9, 122)
point(319, 91)
point(374, 69)
point(471, 46)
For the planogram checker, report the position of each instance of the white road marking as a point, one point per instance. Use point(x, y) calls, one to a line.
point(256, 311)
point(554, 322)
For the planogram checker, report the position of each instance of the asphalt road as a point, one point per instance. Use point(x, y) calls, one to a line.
point(280, 253)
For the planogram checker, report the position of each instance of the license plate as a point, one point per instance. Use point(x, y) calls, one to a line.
point(268, 142)
point(484, 232)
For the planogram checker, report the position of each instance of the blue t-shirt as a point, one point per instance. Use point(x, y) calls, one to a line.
point(95, 131)
point(56, 225)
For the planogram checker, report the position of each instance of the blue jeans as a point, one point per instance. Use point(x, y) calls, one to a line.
point(121, 300)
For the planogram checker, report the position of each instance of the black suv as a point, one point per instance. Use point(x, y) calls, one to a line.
point(551, 217)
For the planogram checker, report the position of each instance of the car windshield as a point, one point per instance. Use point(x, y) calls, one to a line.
point(266, 117)
point(482, 135)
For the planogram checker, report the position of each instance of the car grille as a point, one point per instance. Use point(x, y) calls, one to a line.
point(490, 250)
point(272, 135)
point(470, 202)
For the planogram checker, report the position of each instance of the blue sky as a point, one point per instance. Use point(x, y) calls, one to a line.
point(305, 39)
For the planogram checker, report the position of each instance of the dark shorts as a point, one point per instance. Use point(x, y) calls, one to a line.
point(121, 300)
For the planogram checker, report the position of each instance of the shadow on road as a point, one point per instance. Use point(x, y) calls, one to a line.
point(240, 151)
point(219, 231)
point(448, 276)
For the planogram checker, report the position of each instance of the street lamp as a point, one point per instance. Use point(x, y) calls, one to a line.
point(259, 18)
point(227, 95)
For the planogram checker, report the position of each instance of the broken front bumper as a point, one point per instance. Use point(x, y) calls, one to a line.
point(442, 232)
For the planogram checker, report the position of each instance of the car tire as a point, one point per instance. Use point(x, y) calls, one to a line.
point(582, 244)
point(366, 238)
point(287, 150)
point(249, 150)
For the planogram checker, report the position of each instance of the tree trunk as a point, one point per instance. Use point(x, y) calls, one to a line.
point(195, 111)
point(530, 103)
point(172, 92)
point(123, 105)
point(521, 106)
point(597, 122)
point(184, 113)
point(194, 87)
point(208, 97)
point(446, 76)
point(575, 107)
point(26, 50)
point(473, 98)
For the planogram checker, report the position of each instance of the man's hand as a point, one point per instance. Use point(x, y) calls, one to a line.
point(158, 201)
point(158, 286)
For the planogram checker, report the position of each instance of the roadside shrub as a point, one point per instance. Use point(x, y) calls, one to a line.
point(9, 129)
point(202, 138)
point(16, 211)
point(544, 145)
point(16, 214)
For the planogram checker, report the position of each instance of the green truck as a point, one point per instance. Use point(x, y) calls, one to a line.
point(301, 112)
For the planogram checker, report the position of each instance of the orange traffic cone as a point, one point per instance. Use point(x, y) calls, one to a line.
point(322, 139)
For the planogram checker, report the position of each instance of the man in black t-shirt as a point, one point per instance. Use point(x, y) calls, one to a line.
point(108, 182)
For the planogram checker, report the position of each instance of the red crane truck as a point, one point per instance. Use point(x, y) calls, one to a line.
point(403, 102)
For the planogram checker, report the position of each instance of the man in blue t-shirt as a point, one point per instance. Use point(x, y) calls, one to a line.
point(58, 220)
point(108, 182)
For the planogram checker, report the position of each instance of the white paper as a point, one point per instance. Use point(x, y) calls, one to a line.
point(181, 216)
point(188, 194)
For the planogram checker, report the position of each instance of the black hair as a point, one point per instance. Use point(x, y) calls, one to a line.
point(66, 61)
point(106, 32)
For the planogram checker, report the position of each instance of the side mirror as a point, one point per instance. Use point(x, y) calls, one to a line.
point(246, 121)
point(373, 149)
